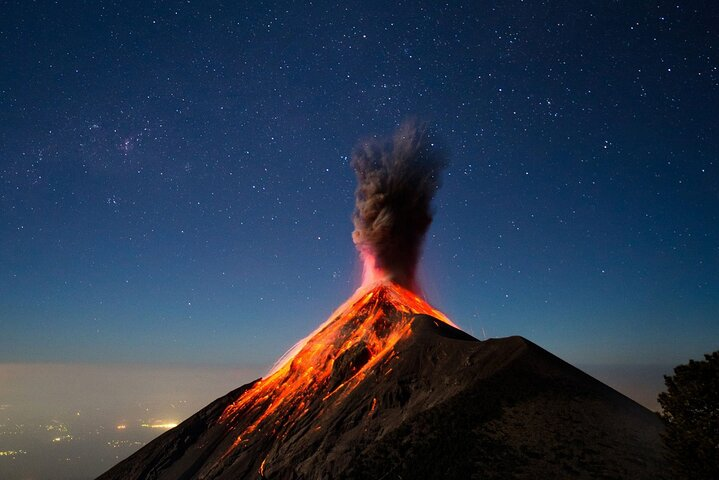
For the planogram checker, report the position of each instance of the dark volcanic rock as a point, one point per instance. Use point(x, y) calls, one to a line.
point(445, 406)
point(348, 364)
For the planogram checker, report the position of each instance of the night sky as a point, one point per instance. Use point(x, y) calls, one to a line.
point(175, 183)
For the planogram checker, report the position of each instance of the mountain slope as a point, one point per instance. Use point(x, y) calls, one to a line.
point(384, 390)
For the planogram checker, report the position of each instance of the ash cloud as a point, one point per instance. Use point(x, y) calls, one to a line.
point(397, 178)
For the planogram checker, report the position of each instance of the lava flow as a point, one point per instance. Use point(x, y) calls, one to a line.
point(330, 362)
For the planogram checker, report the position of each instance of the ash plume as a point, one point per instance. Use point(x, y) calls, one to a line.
point(397, 178)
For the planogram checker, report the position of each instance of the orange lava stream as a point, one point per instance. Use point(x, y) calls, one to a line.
point(369, 324)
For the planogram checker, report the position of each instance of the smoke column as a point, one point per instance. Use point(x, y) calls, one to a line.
point(396, 181)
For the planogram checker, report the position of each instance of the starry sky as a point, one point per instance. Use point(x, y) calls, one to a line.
point(175, 183)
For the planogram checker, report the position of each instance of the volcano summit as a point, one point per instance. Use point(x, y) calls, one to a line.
point(389, 388)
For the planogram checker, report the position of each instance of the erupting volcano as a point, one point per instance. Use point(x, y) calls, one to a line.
point(388, 387)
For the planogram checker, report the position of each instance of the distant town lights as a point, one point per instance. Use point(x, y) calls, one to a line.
point(159, 425)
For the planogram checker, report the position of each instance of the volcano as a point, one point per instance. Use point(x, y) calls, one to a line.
point(389, 388)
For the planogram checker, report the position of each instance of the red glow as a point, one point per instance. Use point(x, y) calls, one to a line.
point(371, 322)
point(371, 274)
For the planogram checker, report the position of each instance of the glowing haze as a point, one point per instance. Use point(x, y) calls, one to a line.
point(396, 181)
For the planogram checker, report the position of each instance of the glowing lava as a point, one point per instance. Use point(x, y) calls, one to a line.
point(331, 361)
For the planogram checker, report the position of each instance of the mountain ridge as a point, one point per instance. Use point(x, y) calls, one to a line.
point(438, 404)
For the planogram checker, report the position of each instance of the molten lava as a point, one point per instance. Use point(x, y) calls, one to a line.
point(331, 362)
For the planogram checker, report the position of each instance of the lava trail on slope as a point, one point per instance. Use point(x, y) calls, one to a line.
point(330, 363)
